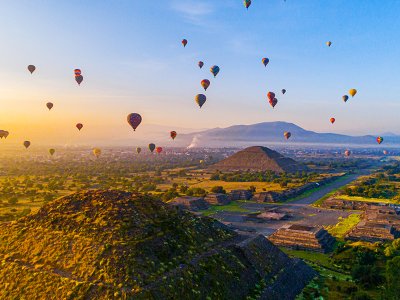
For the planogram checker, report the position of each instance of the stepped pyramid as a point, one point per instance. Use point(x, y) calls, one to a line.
point(259, 158)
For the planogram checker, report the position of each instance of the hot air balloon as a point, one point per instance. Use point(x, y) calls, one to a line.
point(2, 133)
point(152, 147)
point(345, 98)
point(353, 92)
point(6, 133)
point(283, 91)
point(79, 79)
point(214, 70)
point(184, 42)
point(200, 64)
point(49, 105)
point(265, 61)
point(273, 102)
point(134, 120)
point(332, 120)
point(52, 151)
point(379, 140)
point(287, 134)
point(79, 126)
point(271, 95)
point(205, 83)
point(329, 43)
point(159, 150)
point(200, 99)
point(385, 152)
point(201, 161)
point(77, 72)
point(97, 152)
point(27, 144)
point(247, 3)
point(138, 150)
point(31, 68)
point(173, 134)
point(347, 153)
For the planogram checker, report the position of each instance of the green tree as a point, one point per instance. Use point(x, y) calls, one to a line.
point(393, 278)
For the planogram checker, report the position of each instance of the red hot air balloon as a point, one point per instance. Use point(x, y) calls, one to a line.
point(77, 72)
point(79, 79)
point(184, 42)
point(173, 134)
point(332, 120)
point(31, 68)
point(379, 140)
point(287, 134)
point(271, 95)
point(200, 64)
point(134, 120)
point(347, 153)
point(159, 150)
point(79, 126)
point(205, 83)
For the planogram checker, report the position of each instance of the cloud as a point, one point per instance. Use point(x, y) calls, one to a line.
point(193, 11)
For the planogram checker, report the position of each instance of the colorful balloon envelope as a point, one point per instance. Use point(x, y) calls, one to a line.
point(52, 151)
point(347, 153)
point(329, 43)
point(345, 98)
point(184, 42)
point(271, 95)
point(138, 150)
point(265, 61)
point(134, 120)
point(247, 3)
point(79, 79)
point(31, 68)
point(27, 144)
point(200, 99)
point(200, 64)
point(214, 70)
point(205, 83)
point(97, 152)
point(159, 150)
point(379, 140)
point(287, 135)
point(77, 72)
point(79, 126)
point(152, 147)
point(332, 120)
point(273, 102)
point(173, 134)
point(49, 105)
point(283, 91)
point(353, 92)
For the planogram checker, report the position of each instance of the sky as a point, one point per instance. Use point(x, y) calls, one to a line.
point(132, 60)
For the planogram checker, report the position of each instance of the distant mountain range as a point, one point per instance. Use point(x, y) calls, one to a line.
point(268, 133)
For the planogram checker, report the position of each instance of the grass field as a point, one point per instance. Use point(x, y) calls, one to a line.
point(362, 199)
point(344, 226)
point(234, 206)
point(228, 186)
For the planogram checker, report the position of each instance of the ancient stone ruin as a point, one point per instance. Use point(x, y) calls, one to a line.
point(300, 237)
point(190, 203)
point(217, 199)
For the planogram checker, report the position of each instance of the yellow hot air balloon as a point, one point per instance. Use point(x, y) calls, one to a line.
point(97, 152)
point(52, 151)
point(353, 92)
point(328, 43)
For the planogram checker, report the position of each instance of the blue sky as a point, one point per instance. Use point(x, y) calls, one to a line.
point(132, 60)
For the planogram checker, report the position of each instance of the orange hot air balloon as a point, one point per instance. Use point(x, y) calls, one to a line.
point(353, 92)
point(200, 64)
point(332, 120)
point(271, 96)
point(159, 150)
point(79, 126)
point(184, 42)
point(97, 152)
point(205, 83)
point(347, 153)
point(31, 68)
point(200, 99)
point(77, 72)
point(79, 79)
point(287, 134)
point(49, 105)
point(27, 144)
point(173, 134)
point(379, 140)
